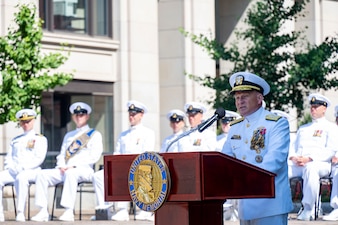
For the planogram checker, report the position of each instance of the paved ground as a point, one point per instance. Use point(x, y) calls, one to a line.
point(86, 221)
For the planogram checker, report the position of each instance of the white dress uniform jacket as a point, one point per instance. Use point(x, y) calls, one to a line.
point(270, 134)
point(136, 140)
point(221, 138)
point(199, 141)
point(22, 163)
point(318, 140)
point(87, 156)
point(175, 147)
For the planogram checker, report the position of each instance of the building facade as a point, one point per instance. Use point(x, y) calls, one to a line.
point(132, 49)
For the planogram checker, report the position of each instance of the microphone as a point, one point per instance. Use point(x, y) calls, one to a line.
point(219, 113)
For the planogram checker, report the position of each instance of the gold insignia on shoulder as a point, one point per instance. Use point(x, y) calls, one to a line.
point(236, 121)
point(272, 117)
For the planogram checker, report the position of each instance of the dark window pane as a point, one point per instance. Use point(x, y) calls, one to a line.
point(100, 18)
point(43, 12)
point(91, 17)
point(70, 15)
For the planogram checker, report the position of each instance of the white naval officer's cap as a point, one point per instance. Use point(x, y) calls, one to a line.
point(25, 114)
point(281, 113)
point(136, 107)
point(194, 108)
point(175, 115)
point(230, 116)
point(245, 81)
point(80, 108)
point(318, 99)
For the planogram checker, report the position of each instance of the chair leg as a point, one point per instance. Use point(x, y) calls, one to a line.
point(317, 204)
point(54, 200)
point(134, 210)
point(13, 195)
point(29, 202)
point(80, 213)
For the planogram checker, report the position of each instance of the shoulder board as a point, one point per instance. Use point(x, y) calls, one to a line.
point(272, 117)
point(236, 121)
point(39, 135)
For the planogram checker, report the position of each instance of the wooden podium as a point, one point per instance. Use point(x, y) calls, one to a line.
point(200, 183)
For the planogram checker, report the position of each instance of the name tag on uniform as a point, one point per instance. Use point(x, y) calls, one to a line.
point(236, 137)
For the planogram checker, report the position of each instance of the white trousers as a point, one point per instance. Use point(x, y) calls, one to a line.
point(98, 182)
point(310, 173)
point(21, 183)
point(70, 179)
point(334, 192)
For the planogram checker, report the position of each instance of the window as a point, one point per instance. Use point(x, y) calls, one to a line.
point(56, 119)
point(77, 16)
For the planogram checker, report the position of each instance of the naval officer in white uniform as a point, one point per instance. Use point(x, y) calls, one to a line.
point(22, 162)
point(136, 140)
point(316, 143)
point(333, 216)
point(176, 119)
point(80, 150)
point(262, 139)
point(197, 141)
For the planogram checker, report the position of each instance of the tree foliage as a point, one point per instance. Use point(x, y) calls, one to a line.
point(25, 71)
point(292, 66)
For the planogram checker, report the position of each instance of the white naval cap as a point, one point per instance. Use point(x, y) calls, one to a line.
point(136, 107)
point(80, 108)
point(230, 116)
point(25, 114)
point(245, 81)
point(281, 113)
point(318, 99)
point(194, 108)
point(175, 115)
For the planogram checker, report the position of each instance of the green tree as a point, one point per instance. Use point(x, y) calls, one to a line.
point(291, 74)
point(25, 71)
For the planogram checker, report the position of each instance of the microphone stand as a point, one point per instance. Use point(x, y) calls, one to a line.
point(220, 112)
point(181, 136)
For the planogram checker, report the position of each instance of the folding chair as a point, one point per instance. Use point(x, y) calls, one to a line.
point(13, 195)
point(80, 190)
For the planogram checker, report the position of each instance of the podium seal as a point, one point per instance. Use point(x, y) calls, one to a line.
point(149, 181)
